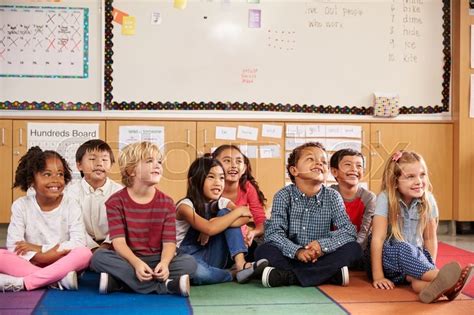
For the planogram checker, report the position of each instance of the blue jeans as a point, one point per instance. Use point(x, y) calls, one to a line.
point(213, 257)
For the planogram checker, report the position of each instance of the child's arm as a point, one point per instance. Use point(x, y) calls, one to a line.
point(277, 227)
point(241, 220)
point(216, 226)
point(368, 198)
point(257, 210)
point(379, 232)
point(430, 238)
point(142, 270)
point(161, 271)
point(76, 229)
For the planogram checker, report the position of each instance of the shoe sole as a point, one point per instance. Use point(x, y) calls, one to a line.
point(469, 275)
point(265, 276)
point(73, 284)
point(103, 283)
point(345, 276)
point(447, 278)
point(184, 285)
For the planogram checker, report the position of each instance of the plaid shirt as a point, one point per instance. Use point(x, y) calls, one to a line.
point(298, 220)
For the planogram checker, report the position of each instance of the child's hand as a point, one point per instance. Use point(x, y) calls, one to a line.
point(248, 239)
point(203, 239)
point(315, 247)
point(306, 255)
point(23, 247)
point(383, 283)
point(162, 272)
point(244, 211)
point(143, 271)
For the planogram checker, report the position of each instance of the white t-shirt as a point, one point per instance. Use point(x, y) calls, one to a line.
point(63, 225)
point(182, 226)
point(92, 203)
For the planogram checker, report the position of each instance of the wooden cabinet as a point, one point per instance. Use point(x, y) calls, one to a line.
point(269, 171)
point(5, 170)
point(178, 152)
point(433, 141)
point(20, 142)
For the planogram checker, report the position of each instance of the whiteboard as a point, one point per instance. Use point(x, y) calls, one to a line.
point(330, 53)
point(50, 51)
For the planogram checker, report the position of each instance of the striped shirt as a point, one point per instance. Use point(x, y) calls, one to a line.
point(297, 220)
point(144, 226)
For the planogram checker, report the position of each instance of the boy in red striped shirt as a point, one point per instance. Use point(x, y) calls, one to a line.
point(142, 228)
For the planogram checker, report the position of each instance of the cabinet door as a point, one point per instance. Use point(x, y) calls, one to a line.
point(20, 141)
point(178, 152)
point(5, 170)
point(268, 170)
point(433, 141)
point(342, 136)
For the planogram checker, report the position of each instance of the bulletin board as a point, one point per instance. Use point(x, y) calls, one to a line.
point(326, 56)
point(50, 55)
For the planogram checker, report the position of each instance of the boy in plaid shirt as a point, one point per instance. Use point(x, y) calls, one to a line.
point(309, 239)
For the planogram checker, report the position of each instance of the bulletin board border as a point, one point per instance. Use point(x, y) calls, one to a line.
point(110, 104)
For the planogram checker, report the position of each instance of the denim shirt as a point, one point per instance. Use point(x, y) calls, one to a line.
point(409, 217)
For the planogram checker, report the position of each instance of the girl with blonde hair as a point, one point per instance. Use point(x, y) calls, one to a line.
point(404, 245)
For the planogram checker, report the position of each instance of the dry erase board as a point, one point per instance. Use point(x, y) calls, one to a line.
point(50, 55)
point(316, 56)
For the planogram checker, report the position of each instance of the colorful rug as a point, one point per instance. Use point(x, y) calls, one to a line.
point(231, 298)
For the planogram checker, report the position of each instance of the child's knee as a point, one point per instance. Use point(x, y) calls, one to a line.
point(222, 212)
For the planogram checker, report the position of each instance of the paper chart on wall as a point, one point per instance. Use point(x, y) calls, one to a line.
point(49, 42)
point(131, 134)
point(62, 138)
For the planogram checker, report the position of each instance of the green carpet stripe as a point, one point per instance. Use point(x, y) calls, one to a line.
point(232, 298)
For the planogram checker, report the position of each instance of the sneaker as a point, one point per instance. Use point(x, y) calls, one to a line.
point(178, 286)
point(11, 284)
point(255, 270)
point(272, 277)
point(341, 277)
point(445, 282)
point(108, 284)
point(466, 275)
point(69, 282)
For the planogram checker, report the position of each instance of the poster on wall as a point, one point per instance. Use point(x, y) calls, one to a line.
point(62, 138)
point(47, 42)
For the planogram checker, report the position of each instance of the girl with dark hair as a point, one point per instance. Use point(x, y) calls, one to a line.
point(242, 189)
point(208, 227)
point(46, 236)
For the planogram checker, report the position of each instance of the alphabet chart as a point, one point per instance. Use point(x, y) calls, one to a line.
point(44, 42)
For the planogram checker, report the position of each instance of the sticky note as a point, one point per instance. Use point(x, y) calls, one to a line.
point(128, 26)
point(180, 4)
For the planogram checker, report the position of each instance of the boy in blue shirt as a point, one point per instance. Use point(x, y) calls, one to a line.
point(309, 239)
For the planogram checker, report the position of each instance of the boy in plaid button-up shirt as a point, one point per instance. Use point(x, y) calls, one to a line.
point(309, 239)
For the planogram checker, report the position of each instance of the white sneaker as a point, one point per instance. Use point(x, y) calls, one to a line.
point(11, 284)
point(178, 286)
point(69, 282)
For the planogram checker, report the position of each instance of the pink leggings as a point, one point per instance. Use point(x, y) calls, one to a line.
point(36, 277)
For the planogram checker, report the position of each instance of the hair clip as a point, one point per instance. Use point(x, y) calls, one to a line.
point(396, 156)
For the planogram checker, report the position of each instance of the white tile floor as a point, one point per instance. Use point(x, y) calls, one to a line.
point(462, 241)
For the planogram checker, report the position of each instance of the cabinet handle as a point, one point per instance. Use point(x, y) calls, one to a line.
point(379, 136)
point(205, 137)
point(21, 137)
point(188, 137)
point(3, 136)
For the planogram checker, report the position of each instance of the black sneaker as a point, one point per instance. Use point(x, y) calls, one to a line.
point(108, 284)
point(255, 270)
point(272, 277)
point(341, 277)
point(179, 286)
